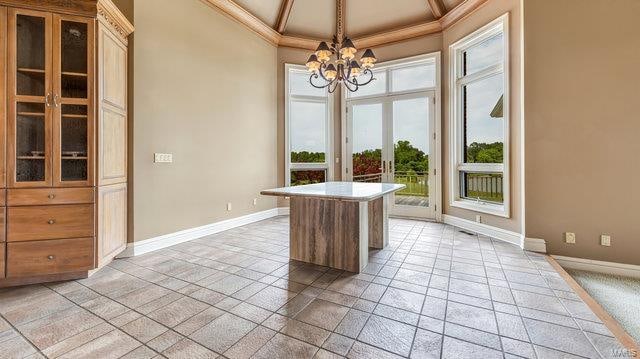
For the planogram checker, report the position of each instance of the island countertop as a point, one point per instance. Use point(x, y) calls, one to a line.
point(350, 191)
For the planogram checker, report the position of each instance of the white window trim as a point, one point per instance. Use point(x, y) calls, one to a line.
point(498, 25)
point(328, 100)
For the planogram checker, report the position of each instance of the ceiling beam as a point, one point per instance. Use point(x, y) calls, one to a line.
point(461, 11)
point(398, 35)
point(236, 12)
point(283, 17)
point(437, 8)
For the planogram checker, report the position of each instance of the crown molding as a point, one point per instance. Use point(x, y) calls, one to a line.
point(283, 17)
point(236, 12)
point(398, 34)
point(299, 42)
point(109, 14)
point(71, 7)
point(460, 12)
point(437, 8)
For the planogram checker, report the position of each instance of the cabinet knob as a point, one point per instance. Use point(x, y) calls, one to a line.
point(50, 257)
point(51, 196)
point(52, 221)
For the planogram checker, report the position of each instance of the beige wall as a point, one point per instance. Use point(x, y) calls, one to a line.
point(583, 126)
point(205, 91)
point(490, 11)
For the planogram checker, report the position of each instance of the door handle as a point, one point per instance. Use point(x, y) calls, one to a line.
point(46, 99)
point(55, 100)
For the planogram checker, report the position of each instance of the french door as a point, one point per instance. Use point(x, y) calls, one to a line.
point(391, 139)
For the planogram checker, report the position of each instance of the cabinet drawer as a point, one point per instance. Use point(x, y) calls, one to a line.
point(46, 196)
point(49, 222)
point(49, 257)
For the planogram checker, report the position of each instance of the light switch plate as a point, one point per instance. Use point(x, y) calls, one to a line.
point(570, 237)
point(605, 240)
point(162, 157)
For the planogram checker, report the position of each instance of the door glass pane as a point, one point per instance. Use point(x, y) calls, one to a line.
point(74, 59)
point(367, 143)
point(74, 143)
point(301, 177)
point(308, 136)
point(375, 87)
point(30, 142)
point(411, 150)
point(413, 78)
point(483, 120)
point(485, 187)
point(30, 38)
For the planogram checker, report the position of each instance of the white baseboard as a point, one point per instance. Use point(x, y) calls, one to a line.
point(535, 245)
point(167, 240)
point(627, 270)
point(484, 229)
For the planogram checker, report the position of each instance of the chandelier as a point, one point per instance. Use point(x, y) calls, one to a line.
point(331, 65)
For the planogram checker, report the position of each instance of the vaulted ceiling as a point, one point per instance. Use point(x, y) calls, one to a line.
point(300, 23)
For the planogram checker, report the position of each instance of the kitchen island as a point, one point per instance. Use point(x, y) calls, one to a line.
point(333, 224)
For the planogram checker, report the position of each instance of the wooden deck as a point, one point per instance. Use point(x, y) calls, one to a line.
point(405, 200)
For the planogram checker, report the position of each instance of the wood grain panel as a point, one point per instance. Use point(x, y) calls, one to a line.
point(376, 223)
point(49, 257)
point(2, 256)
point(49, 222)
point(3, 197)
point(19, 281)
point(3, 221)
point(3, 96)
point(112, 222)
point(113, 148)
point(325, 232)
point(48, 196)
point(113, 67)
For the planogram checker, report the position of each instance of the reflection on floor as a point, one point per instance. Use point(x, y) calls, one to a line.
point(434, 292)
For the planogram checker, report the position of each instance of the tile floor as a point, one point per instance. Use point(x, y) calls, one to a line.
point(435, 292)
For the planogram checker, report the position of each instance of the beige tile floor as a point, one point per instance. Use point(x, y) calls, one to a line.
point(435, 292)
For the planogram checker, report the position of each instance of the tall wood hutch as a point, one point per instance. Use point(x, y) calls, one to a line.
point(63, 138)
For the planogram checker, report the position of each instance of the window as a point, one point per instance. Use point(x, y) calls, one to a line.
point(480, 121)
point(308, 129)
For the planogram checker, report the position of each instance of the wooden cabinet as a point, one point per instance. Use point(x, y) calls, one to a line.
point(63, 68)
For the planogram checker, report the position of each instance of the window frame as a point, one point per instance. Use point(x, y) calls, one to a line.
point(456, 120)
point(327, 99)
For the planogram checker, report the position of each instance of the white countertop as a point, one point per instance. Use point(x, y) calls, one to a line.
point(352, 191)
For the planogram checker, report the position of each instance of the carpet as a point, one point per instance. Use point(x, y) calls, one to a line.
point(619, 296)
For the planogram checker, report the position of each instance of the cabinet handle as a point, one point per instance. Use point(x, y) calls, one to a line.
point(55, 100)
point(51, 196)
point(50, 257)
point(51, 221)
point(46, 99)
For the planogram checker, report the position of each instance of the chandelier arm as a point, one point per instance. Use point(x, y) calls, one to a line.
point(371, 78)
point(332, 90)
point(316, 86)
point(352, 89)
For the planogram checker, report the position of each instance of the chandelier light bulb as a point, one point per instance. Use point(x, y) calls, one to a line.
point(323, 52)
point(330, 73)
point(368, 59)
point(355, 69)
point(348, 50)
point(313, 65)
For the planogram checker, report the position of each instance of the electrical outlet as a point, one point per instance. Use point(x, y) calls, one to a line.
point(255, 201)
point(229, 206)
point(605, 240)
point(478, 218)
point(162, 157)
point(570, 237)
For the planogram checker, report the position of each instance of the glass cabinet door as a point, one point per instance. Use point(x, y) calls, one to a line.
point(73, 126)
point(30, 98)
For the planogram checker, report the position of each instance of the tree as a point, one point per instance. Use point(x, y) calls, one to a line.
point(485, 152)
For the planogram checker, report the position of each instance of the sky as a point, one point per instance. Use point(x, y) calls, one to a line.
point(410, 117)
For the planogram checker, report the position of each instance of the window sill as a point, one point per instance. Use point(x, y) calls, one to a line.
point(482, 207)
